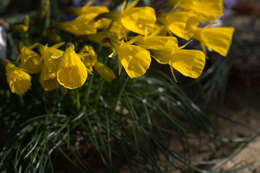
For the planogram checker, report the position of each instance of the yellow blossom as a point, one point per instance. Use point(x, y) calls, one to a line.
point(103, 23)
point(158, 42)
point(19, 81)
point(217, 39)
point(165, 50)
point(140, 20)
point(118, 30)
point(82, 25)
point(86, 22)
point(88, 56)
point(51, 56)
point(90, 10)
point(135, 59)
point(72, 73)
point(104, 71)
point(29, 60)
point(205, 9)
point(190, 63)
point(104, 38)
point(176, 22)
point(48, 80)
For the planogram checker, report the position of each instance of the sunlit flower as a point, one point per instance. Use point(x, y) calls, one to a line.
point(217, 39)
point(82, 25)
point(141, 20)
point(72, 73)
point(165, 50)
point(29, 60)
point(88, 56)
point(48, 80)
point(90, 10)
point(86, 22)
point(205, 9)
point(176, 22)
point(19, 81)
point(51, 57)
point(104, 71)
point(135, 59)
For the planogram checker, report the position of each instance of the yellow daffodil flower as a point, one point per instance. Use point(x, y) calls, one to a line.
point(90, 10)
point(135, 59)
point(141, 20)
point(217, 39)
point(29, 60)
point(104, 71)
point(158, 42)
point(118, 30)
point(176, 22)
point(86, 22)
point(82, 25)
point(205, 9)
point(48, 80)
point(51, 57)
point(88, 56)
point(72, 73)
point(104, 38)
point(165, 50)
point(19, 81)
point(190, 63)
point(103, 23)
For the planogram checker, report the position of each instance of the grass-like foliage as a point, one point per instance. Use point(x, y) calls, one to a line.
point(132, 128)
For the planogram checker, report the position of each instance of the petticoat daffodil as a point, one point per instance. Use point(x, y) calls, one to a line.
point(205, 9)
point(141, 20)
point(89, 58)
point(86, 22)
point(48, 80)
point(19, 81)
point(165, 50)
point(51, 58)
point(82, 25)
point(105, 72)
point(135, 59)
point(29, 60)
point(90, 10)
point(217, 39)
point(176, 22)
point(72, 73)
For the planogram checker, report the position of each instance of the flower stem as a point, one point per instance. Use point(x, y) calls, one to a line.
point(126, 79)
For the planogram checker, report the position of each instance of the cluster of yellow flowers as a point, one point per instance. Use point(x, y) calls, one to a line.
point(56, 67)
point(134, 34)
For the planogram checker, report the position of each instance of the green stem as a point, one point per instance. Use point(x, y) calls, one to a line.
point(120, 92)
point(87, 91)
point(78, 100)
point(100, 88)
